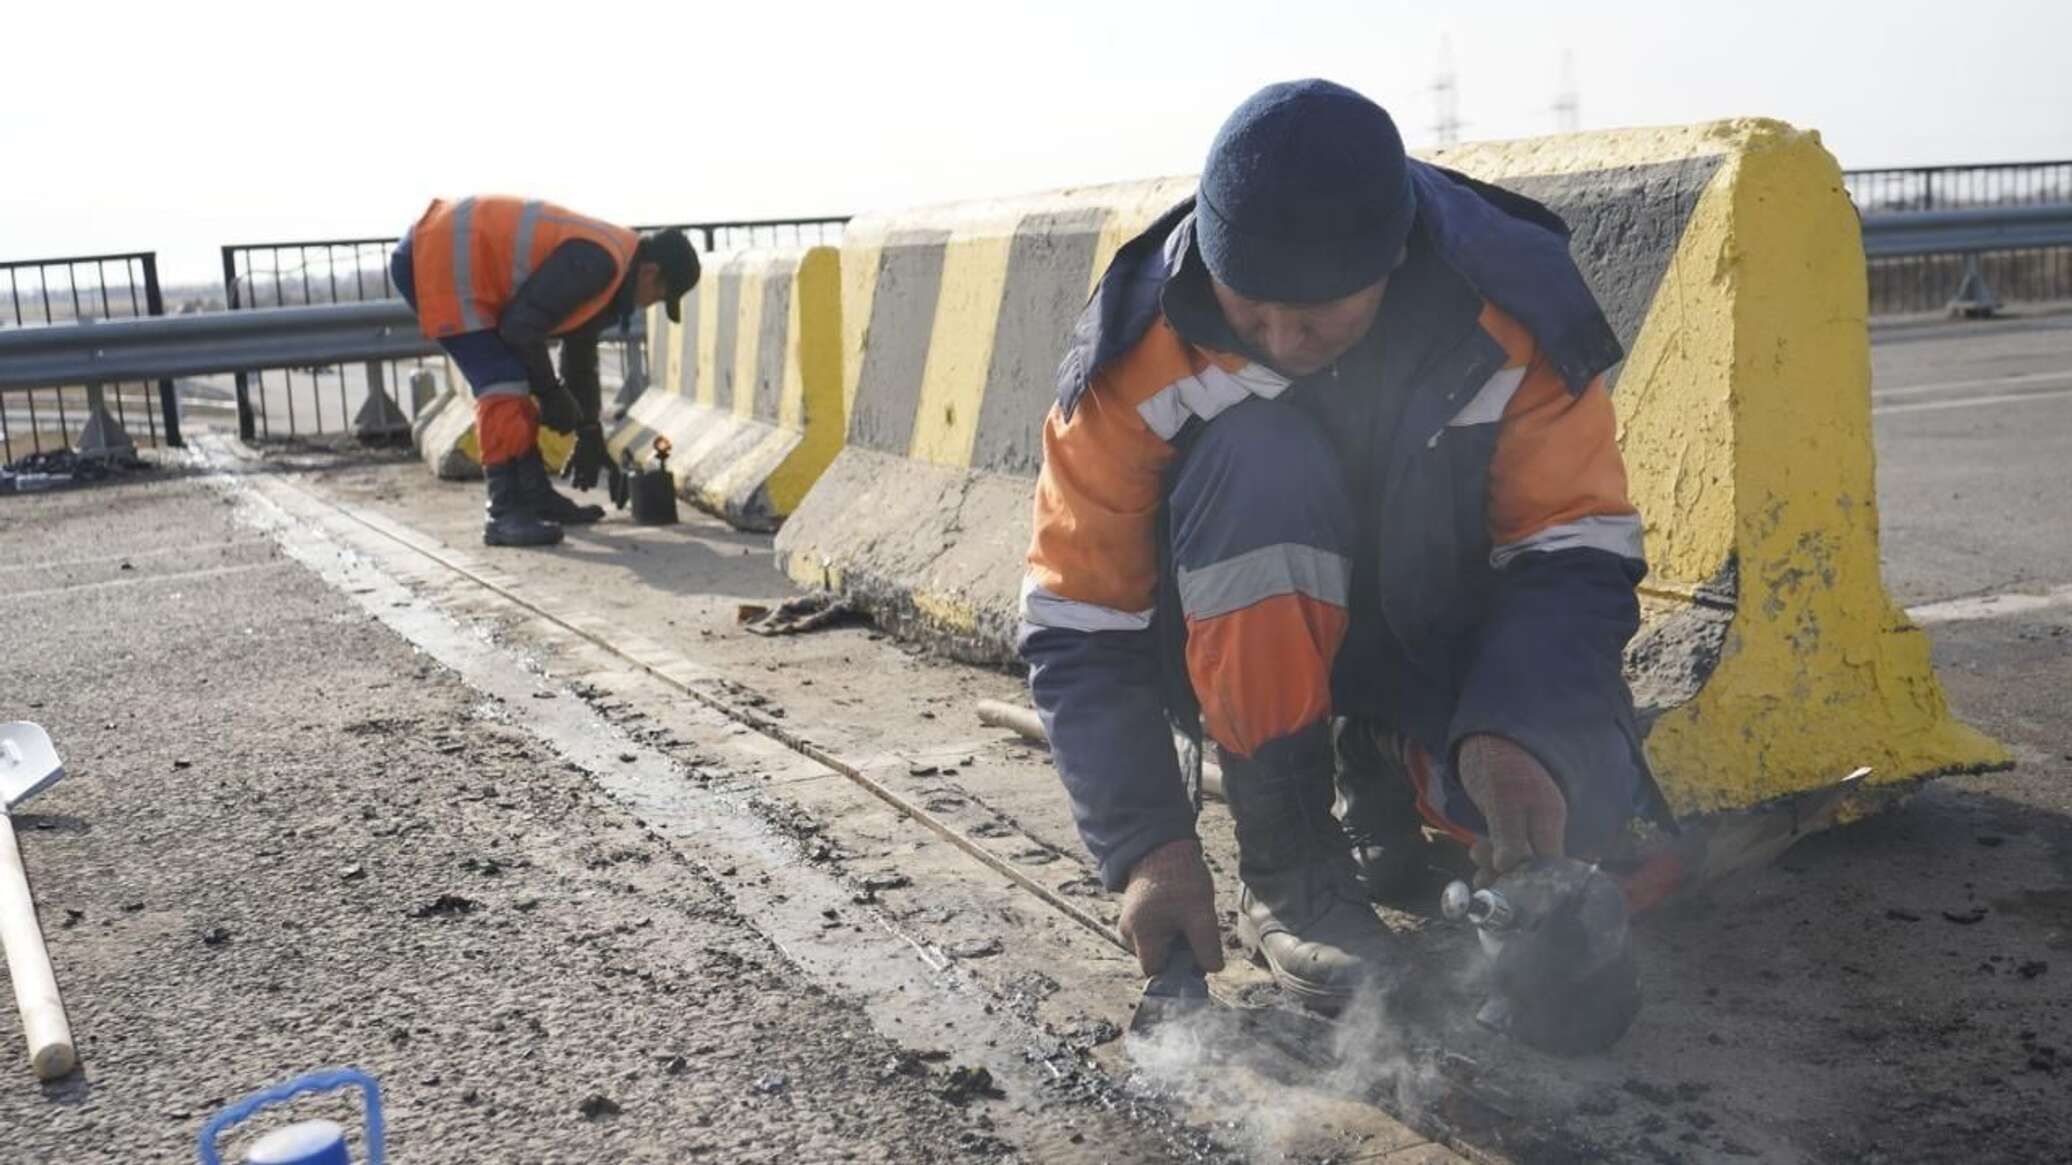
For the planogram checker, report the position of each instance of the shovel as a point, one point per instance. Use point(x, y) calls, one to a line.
point(29, 765)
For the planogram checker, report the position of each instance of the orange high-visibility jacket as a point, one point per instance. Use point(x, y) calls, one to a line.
point(469, 257)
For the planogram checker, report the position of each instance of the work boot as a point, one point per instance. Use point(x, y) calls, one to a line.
point(551, 503)
point(514, 516)
point(1378, 807)
point(1301, 909)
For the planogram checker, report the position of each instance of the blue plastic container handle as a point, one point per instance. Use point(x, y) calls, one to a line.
point(327, 1080)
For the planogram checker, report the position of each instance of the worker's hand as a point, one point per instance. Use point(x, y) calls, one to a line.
point(558, 407)
point(1527, 815)
point(589, 458)
point(1170, 895)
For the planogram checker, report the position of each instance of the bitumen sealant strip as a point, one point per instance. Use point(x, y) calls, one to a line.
point(708, 688)
point(909, 989)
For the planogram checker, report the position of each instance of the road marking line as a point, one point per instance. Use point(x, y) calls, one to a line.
point(130, 557)
point(1976, 607)
point(1971, 401)
point(1995, 382)
point(104, 584)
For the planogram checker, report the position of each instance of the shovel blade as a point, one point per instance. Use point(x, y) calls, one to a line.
point(28, 763)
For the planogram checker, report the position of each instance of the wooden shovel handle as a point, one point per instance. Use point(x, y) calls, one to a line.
point(28, 964)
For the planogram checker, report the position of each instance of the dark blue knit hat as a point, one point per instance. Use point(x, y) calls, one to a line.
point(1306, 195)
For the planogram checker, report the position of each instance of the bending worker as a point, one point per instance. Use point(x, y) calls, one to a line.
point(494, 278)
point(1332, 474)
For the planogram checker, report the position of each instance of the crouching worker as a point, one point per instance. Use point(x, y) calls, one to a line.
point(493, 278)
point(1333, 473)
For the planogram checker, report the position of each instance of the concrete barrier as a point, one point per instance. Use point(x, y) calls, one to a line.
point(1730, 261)
point(748, 389)
point(953, 320)
point(444, 434)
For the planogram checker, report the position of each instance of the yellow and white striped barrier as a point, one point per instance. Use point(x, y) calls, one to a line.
point(1730, 262)
point(748, 388)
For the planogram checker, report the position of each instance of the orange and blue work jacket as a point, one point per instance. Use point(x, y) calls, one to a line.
point(1492, 579)
point(470, 257)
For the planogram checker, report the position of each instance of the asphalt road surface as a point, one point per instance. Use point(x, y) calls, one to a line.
point(289, 840)
point(1889, 991)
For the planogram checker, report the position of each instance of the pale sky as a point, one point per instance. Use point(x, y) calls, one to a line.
point(182, 126)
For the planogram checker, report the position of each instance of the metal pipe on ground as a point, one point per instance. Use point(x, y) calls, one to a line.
point(1024, 722)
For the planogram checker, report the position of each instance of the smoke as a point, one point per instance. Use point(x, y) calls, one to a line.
point(1284, 1085)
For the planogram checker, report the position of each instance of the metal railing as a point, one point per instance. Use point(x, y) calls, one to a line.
point(294, 401)
point(1959, 187)
point(42, 293)
point(290, 401)
point(213, 343)
point(1964, 238)
point(763, 232)
point(1964, 261)
point(1964, 232)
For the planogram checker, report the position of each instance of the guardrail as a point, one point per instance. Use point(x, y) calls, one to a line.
point(1935, 232)
point(216, 342)
point(370, 335)
point(61, 291)
point(301, 274)
point(1916, 257)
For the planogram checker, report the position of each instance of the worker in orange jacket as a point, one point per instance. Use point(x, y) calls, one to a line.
point(493, 279)
point(1333, 477)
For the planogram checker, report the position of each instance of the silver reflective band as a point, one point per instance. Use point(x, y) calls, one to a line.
point(464, 264)
point(1046, 609)
point(504, 388)
point(604, 234)
point(1206, 394)
point(1487, 406)
point(1288, 568)
point(521, 255)
point(1619, 534)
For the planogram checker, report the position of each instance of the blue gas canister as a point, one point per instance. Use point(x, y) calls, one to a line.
point(310, 1142)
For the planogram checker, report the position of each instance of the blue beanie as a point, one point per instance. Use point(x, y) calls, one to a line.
point(1306, 195)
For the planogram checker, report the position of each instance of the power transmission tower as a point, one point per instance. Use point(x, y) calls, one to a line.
point(1568, 112)
point(1446, 121)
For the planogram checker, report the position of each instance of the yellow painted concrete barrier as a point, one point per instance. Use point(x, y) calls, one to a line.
point(953, 320)
point(444, 432)
point(1730, 262)
point(748, 388)
point(1772, 659)
point(445, 435)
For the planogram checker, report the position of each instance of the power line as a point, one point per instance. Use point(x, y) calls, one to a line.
point(1446, 122)
point(1568, 111)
